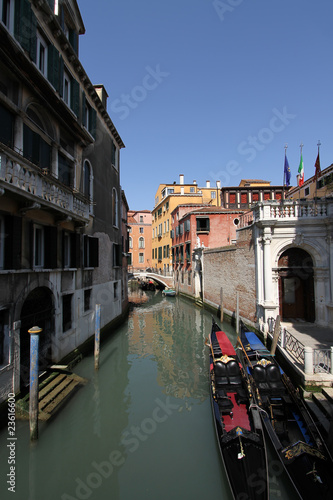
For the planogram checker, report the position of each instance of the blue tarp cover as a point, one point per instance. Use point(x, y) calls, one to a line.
point(254, 342)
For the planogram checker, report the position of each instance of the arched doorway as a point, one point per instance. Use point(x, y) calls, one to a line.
point(37, 310)
point(296, 286)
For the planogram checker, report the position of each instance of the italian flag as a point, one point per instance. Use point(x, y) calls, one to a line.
point(301, 172)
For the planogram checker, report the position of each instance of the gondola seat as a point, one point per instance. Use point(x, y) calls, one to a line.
point(234, 374)
point(274, 378)
point(225, 404)
point(221, 378)
point(259, 375)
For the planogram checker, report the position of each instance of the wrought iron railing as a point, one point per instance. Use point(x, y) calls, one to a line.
point(322, 360)
point(287, 341)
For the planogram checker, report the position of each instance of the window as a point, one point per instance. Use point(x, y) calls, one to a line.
point(141, 218)
point(87, 179)
point(115, 207)
point(141, 242)
point(66, 250)
point(213, 195)
point(89, 119)
point(141, 258)
point(202, 224)
point(187, 226)
point(38, 246)
point(192, 189)
point(35, 149)
point(67, 312)
point(90, 251)
point(67, 89)
point(159, 253)
point(7, 14)
point(306, 191)
point(65, 170)
point(10, 242)
point(130, 241)
point(188, 251)
point(6, 127)
point(116, 255)
point(87, 300)
point(41, 55)
point(115, 290)
point(141, 230)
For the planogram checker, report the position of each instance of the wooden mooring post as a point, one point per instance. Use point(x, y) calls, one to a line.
point(237, 312)
point(97, 334)
point(276, 334)
point(33, 389)
point(221, 305)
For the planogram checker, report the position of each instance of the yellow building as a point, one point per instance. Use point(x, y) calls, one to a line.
point(167, 198)
point(312, 187)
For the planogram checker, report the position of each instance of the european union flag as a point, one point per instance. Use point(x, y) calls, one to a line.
point(287, 173)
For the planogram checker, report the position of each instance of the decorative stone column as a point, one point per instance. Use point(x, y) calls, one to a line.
point(267, 238)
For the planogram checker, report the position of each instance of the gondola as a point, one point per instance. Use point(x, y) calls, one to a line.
point(292, 431)
point(237, 421)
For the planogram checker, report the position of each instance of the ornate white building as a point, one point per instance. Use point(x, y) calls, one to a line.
point(294, 260)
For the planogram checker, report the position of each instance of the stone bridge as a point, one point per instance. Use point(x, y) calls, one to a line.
point(159, 278)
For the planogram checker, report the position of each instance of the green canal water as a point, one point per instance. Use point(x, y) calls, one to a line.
point(141, 428)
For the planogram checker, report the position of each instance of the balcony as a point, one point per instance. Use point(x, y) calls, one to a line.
point(25, 180)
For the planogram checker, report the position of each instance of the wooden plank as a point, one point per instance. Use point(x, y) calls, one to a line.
point(55, 404)
point(51, 385)
point(54, 393)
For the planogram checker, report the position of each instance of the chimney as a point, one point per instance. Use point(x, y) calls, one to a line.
point(207, 184)
point(181, 179)
point(102, 94)
point(218, 184)
point(194, 182)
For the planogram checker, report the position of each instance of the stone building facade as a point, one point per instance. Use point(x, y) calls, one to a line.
point(60, 216)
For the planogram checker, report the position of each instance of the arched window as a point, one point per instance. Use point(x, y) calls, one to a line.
point(130, 242)
point(87, 177)
point(141, 242)
point(115, 207)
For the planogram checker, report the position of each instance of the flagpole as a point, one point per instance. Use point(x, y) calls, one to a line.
point(316, 176)
point(284, 173)
point(299, 190)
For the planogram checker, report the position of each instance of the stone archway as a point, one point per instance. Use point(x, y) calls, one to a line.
point(37, 310)
point(296, 285)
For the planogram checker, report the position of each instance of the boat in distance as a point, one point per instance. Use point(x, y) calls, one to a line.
point(169, 292)
point(237, 422)
point(291, 429)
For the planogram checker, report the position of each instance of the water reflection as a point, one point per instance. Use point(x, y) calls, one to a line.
point(142, 426)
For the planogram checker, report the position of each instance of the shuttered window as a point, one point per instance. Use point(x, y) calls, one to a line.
point(90, 251)
point(25, 27)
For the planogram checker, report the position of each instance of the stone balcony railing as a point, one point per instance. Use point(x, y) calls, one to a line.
point(20, 176)
point(289, 209)
point(292, 209)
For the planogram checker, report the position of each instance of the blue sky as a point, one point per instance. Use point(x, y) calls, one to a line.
point(212, 89)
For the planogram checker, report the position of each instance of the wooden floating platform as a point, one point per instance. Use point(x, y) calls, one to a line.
point(54, 391)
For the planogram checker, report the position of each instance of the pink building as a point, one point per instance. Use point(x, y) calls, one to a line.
point(140, 229)
point(195, 226)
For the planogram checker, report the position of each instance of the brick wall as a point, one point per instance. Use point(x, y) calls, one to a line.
point(233, 269)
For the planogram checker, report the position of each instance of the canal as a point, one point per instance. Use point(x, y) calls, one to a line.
point(141, 428)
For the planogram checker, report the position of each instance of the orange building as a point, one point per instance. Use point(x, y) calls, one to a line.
point(140, 230)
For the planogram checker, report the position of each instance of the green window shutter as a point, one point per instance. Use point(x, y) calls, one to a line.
point(83, 109)
point(75, 97)
point(53, 66)
point(74, 41)
point(25, 27)
point(92, 124)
